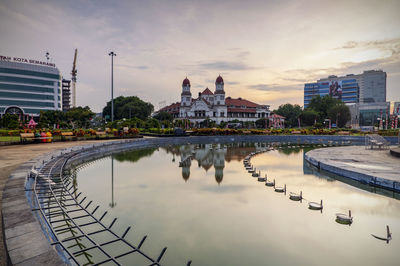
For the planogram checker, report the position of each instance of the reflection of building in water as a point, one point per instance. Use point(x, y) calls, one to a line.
point(219, 163)
point(208, 155)
point(185, 152)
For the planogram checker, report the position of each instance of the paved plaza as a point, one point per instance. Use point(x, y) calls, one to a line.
point(356, 162)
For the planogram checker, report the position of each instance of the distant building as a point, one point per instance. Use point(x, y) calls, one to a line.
point(214, 106)
point(396, 108)
point(66, 95)
point(28, 87)
point(371, 113)
point(368, 87)
point(364, 93)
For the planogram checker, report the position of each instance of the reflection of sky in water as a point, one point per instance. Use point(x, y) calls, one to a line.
point(220, 215)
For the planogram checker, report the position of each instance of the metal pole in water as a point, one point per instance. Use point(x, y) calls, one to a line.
point(112, 204)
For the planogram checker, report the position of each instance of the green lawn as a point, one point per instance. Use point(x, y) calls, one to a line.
point(9, 138)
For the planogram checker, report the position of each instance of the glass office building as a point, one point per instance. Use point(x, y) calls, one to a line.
point(346, 90)
point(28, 86)
point(365, 94)
point(372, 113)
point(368, 87)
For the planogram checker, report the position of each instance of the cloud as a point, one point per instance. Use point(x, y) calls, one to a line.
point(198, 86)
point(142, 67)
point(225, 66)
point(156, 47)
point(232, 83)
point(276, 87)
point(392, 45)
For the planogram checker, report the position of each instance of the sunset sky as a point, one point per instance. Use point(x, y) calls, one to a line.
point(264, 50)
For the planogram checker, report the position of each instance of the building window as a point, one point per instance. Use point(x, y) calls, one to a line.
point(215, 114)
point(222, 114)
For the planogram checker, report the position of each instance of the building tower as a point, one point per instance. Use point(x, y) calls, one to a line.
point(186, 98)
point(219, 91)
point(66, 95)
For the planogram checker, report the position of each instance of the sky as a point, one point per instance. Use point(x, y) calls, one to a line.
point(264, 50)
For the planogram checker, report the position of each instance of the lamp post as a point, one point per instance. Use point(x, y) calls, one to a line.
point(112, 54)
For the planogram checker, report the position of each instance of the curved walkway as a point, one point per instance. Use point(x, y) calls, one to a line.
point(12, 157)
point(374, 167)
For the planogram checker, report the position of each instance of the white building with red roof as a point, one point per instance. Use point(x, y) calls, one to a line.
point(215, 106)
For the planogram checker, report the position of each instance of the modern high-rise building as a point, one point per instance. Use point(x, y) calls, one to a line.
point(345, 89)
point(368, 87)
point(365, 93)
point(28, 86)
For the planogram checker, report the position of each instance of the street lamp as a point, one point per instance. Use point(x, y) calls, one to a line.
point(112, 54)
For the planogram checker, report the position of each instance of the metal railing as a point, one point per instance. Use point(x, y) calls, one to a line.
point(375, 141)
point(81, 237)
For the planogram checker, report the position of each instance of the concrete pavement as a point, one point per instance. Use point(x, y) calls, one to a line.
point(374, 167)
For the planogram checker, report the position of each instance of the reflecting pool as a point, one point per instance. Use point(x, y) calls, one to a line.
point(200, 202)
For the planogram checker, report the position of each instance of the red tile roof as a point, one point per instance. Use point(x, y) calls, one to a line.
point(204, 100)
point(170, 108)
point(277, 116)
point(240, 102)
point(207, 92)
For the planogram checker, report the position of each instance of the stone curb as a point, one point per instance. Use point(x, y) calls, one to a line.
point(354, 175)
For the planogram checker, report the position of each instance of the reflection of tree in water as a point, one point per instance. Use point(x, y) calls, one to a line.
point(133, 156)
point(289, 151)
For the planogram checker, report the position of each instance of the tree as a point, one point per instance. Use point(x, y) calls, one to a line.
point(152, 123)
point(162, 116)
point(9, 121)
point(52, 117)
point(129, 107)
point(322, 104)
point(308, 117)
point(290, 112)
point(79, 116)
point(339, 114)
point(133, 156)
point(261, 123)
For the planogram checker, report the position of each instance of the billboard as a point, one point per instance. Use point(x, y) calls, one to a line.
point(335, 89)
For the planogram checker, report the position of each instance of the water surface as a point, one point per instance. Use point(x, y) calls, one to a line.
point(213, 212)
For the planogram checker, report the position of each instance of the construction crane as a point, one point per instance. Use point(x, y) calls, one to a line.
point(73, 73)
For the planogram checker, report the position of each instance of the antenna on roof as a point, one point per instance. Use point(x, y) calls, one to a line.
point(47, 56)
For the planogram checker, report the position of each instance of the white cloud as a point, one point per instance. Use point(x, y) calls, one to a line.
point(283, 43)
